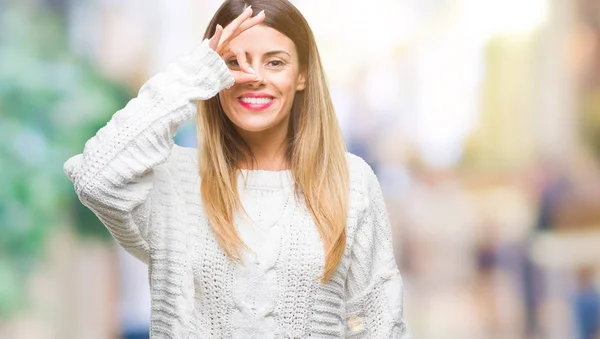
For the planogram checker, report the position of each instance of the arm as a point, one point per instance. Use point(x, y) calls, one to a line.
point(374, 286)
point(114, 174)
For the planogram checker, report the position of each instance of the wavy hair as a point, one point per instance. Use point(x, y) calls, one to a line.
point(315, 148)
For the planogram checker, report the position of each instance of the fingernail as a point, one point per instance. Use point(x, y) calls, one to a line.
point(261, 12)
point(249, 7)
point(251, 70)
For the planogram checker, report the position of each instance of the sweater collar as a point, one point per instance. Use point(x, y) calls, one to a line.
point(265, 179)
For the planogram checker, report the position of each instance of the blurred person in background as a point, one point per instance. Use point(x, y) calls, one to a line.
point(552, 187)
point(586, 304)
point(134, 298)
point(270, 229)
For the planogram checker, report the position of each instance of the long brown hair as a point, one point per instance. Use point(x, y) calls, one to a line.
point(315, 148)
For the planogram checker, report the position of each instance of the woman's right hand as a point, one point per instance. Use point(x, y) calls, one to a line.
point(219, 42)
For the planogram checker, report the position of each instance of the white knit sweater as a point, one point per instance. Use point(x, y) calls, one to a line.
point(146, 190)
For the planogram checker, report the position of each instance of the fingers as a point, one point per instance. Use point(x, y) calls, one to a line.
point(260, 17)
point(229, 31)
point(242, 77)
point(242, 72)
point(219, 42)
point(239, 25)
point(214, 41)
point(242, 61)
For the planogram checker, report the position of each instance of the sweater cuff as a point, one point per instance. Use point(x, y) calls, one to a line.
point(208, 70)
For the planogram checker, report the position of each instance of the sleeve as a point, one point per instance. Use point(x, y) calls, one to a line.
point(374, 287)
point(114, 174)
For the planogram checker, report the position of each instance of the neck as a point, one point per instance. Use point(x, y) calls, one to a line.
point(268, 148)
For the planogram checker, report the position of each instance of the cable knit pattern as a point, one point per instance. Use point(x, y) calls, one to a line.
point(146, 191)
point(374, 285)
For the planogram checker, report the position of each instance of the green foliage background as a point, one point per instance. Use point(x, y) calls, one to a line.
point(51, 102)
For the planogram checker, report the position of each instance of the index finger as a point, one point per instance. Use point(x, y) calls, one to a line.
point(214, 41)
point(242, 61)
point(233, 26)
point(260, 17)
point(231, 34)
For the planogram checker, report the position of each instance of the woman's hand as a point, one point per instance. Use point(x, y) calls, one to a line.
point(219, 42)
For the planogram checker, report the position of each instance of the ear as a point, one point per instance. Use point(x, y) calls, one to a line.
point(301, 82)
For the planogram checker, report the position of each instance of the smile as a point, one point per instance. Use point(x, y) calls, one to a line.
point(256, 103)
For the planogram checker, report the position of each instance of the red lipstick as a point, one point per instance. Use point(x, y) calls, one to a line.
point(256, 101)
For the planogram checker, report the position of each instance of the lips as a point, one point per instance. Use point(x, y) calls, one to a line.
point(256, 101)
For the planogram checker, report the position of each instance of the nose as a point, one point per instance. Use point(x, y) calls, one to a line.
point(260, 78)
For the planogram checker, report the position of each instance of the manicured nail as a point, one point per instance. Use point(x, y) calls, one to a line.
point(249, 7)
point(251, 70)
point(261, 12)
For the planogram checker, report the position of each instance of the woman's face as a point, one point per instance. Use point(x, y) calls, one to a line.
point(263, 105)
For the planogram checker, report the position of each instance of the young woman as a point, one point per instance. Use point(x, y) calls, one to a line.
point(268, 230)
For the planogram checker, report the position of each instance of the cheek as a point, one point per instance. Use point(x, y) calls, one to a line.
point(228, 102)
point(227, 94)
point(285, 83)
point(227, 98)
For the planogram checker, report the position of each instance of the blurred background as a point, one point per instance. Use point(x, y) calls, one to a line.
point(481, 119)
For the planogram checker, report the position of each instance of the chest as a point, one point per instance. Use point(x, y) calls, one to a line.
point(279, 272)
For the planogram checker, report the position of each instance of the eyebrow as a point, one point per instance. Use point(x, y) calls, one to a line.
point(272, 53)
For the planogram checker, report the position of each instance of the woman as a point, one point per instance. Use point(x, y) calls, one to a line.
point(269, 230)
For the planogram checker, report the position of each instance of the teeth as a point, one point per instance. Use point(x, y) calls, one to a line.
point(256, 101)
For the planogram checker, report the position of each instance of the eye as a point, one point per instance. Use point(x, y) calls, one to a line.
point(276, 63)
point(232, 63)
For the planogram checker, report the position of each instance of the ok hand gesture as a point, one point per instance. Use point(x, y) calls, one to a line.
point(219, 42)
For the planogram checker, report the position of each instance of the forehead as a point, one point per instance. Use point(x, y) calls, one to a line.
point(262, 39)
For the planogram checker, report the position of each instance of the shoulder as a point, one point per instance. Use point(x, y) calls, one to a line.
point(184, 153)
point(364, 185)
point(356, 163)
point(183, 161)
point(360, 171)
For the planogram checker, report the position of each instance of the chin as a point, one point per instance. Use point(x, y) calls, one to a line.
point(254, 124)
